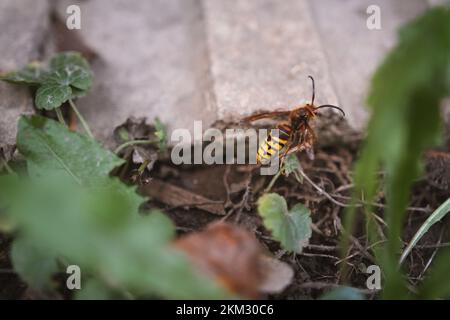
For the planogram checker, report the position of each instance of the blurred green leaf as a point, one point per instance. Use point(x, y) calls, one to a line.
point(404, 98)
point(343, 293)
point(34, 264)
point(32, 74)
point(437, 282)
point(94, 290)
point(50, 148)
point(92, 228)
point(292, 228)
point(73, 210)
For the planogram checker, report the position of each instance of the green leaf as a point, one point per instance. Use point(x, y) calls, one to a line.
point(50, 149)
point(53, 92)
point(32, 74)
point(343, 293)
point(69, 77)
point(292, 228)
point(34, 264)
point(74, 68)
point(92, 228)
point(404, 100)
point(68, 59)
point(123, 134)
point(436, 216)
point(291, 164)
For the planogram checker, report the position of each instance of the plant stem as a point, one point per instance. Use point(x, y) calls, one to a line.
point(132, 143)
point(60, 116)
point(6, 165)
point(272, 182)
point(80, 117)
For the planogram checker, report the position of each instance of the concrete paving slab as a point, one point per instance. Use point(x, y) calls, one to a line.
point(152, 62)
point(24, 25)
point(261, 53)
point(353, 51)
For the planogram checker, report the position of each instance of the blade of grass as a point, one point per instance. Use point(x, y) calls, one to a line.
point(437, 215)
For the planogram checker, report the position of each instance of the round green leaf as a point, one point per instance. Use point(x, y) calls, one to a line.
point(291, 228)
point(52, 94)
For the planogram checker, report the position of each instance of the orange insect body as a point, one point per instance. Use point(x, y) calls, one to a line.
point(294, 135)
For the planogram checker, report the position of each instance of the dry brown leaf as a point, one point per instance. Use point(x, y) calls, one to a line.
point(235, 259)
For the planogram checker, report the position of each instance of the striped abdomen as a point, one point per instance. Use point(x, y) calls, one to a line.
point(273, 144)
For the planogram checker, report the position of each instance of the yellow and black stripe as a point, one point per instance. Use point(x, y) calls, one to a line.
point(273, 144)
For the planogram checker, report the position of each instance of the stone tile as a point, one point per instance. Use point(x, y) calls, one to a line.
point(261, 53)
point(353, 51)
point(152, 62)
point(24, 26)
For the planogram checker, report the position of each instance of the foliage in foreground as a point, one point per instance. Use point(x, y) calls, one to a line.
point(405, 96)
point(68, 210)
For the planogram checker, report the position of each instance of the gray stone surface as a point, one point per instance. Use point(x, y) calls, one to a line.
point(261, 53)
point(186, 60)
point(353, 51)
point(23, 28)
point(153, 62)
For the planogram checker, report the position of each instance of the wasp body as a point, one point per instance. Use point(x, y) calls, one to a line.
point(274, 143)
point(293, 135)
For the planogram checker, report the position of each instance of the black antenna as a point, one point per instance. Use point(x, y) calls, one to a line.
point(331, 106)
point(314, 90)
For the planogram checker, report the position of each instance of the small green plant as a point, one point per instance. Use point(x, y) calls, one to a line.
point(404, 99)
point(159, 138)
point(292, 228)
point(67, 77)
